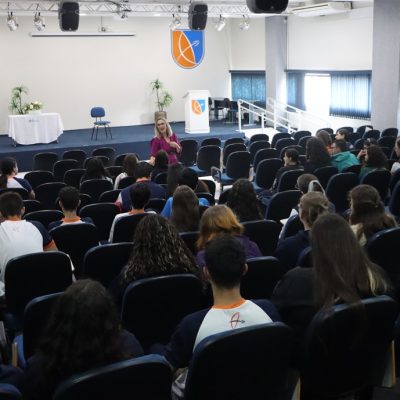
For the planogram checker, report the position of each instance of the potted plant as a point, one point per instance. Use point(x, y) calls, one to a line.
point(16, 99)
point(163, 98)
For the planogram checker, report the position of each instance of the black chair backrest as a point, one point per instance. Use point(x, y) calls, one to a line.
point(32, 205)
point(245, 363)
point(305, 258)
point(361, 129)
point(119, 159)
point(167, 299)
point(265, 233)
point(9, 392)
point(393, 132)
point(281, 204)
point(349, 129)
point(372, 134)
point(259, 137)
point(161, 178)
point(300, 150)
point(231, 148)
point(300, 134)
point(223, 197)
point(75, 240)
point(36, 178)
point(380, 180)
point(210, 184)
point(338, 187)
point(125, 227)
point(114, 171)
point(36, 316)
point(208, 196)
point(238, 165)
point(278, 136)
point(78, 155)
point(353, 136)
point(110, 196)
point(213, 141)
point(95, 187)
point(356, 168)
point(346, 348)
point(156, 205)
point(190, 239)
point(230, 141)
point(44, 216)
point(21, 191)
point(207, 157)
point(108, 152)
point(104, 263)
point(105, 160)
point(387, 141)
point(33, 275)
point(61, 167)
point(262, 275)
point(73, 177)
point(266, 172)
point(44, 161)
point(125, 182)
point(264, 154)
point(292, 226)
point(120, 380)
point(329, 130)
point(188, 154)
point(324, 174)
point(47, 194)
point(288, 180)
point(394, 202)
point(284, 142)
point(303, 141)
point(256, 146)
point(103, 215)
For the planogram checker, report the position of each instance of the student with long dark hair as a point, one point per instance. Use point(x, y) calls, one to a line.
point(128, 168)
point(375, 159)
point(291, 162)
point(316, 154)
point(95, 170)
point(368, 213)
point(83, 332)
point(243, 201)
point(9, 179)
point(185, 214)
point(160, 164)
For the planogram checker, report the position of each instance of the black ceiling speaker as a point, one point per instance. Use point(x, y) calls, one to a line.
point(197, 16)
point(267, 6)
point(68, 15)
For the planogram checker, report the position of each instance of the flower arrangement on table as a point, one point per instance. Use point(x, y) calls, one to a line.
point(33, 106)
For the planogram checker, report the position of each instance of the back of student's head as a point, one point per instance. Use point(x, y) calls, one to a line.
point(316, 151)
point(161, 159)
point(7, 166)
point(69, 198)
point(143, 170)
point(311, 206)
point(342, 270)
point(129, 164)
point(95, 169)
point(189, 178)
point(173, 176)
point(325, 137)
point(185, 209)
point(341, 145)
point(376, 158)
point(309, 183)
point(343, 132)
point(225, 260)
point(140, 195)
point(293, 154)
point(11, 204)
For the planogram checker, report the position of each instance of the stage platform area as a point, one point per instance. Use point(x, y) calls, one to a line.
point(127, 139)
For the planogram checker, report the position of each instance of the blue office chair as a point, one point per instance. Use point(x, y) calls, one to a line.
point(98, 113)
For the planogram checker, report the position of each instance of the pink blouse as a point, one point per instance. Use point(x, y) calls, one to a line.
point(160, 144)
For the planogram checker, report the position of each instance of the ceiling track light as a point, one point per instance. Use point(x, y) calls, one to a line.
point(244, 24)
point(176, 22)
point(220, 24)
point(12, 22)
point(39, 22)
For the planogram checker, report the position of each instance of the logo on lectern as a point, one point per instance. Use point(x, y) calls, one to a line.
point(198, 106)
point(187, 47)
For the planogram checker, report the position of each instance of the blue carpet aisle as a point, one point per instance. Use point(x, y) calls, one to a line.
point(126, 139)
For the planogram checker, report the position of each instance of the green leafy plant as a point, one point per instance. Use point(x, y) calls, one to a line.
point(16, 99)
point(163, 98)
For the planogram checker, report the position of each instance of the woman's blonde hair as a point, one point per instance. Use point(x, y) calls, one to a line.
point(156, 131)
point(216, 220)
point(312, 205)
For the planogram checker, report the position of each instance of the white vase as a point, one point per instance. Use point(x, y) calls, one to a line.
point(35, 112)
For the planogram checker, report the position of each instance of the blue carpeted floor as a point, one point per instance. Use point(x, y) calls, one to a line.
point(126, 139)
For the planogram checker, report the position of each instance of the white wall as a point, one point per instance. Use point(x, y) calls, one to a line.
point(337, 42)
point(70, 75)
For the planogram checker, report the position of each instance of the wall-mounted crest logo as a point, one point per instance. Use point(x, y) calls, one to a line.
point(198, 106)
point(187, 47)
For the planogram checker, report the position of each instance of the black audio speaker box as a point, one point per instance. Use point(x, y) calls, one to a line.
point(68, 15)
point(197, 16)
point(267, 6)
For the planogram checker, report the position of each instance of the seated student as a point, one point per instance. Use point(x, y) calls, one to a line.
point(185, 214)
point(225, 265)
point(341, 157)
point(375, 159)
point(140, 196)
point(396, 164)
point(218, 220)
point(311, 206)
point(326, 138)
point(8, 177)
point(317, 155)
point(343, 134)
point(128, 168)
point(83, 332)
point(69, 202)
point(142, 173)
point(160, 164)
point(95, 170)
point(17, 236)
point(189, 178)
